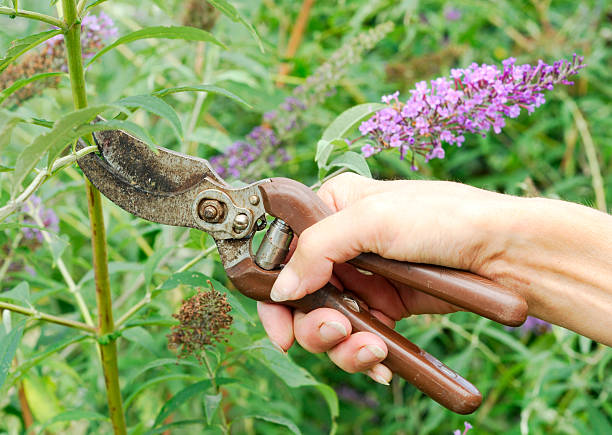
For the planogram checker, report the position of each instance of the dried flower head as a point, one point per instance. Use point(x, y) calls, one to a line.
point(51, 57)
point(200, 14)
point(204, 319)
point(472, 100)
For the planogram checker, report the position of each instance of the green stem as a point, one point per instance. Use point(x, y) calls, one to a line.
point(32, 16)
point(47, 317)
point(216, 390)
point(106, 325)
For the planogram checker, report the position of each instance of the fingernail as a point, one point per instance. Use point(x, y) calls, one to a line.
point(370, 353)
point(331, 332)
point(278, 346)
point(376, 377)
point(285, 285)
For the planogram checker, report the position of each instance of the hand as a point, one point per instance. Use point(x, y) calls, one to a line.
point(441, 223)
point(372, 207)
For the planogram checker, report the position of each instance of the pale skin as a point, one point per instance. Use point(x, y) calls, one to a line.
point(557, 254)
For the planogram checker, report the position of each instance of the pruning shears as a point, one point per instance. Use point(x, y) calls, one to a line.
point(171, 188)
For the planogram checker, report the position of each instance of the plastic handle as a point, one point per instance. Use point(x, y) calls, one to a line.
point(404, 358)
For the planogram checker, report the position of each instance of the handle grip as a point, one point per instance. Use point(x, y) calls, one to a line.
point(404, 358)
point(464, 289)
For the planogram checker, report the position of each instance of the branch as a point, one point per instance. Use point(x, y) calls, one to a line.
point(40, 178)
point(32, 16)
point(47, 317)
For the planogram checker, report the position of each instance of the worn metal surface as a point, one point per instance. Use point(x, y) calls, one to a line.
point(275, 245)
point(168, 187)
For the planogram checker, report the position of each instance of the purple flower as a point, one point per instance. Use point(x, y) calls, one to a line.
point(95, 29)
point(532, 325)
point(452, 14)
point(467, 427)
point(47, 216)
point(472, 100)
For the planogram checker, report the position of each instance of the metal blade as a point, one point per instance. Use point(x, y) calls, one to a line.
point(158, 187)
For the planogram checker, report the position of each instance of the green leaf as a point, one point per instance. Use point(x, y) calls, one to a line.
point(152, 263)
point(54, 141)
point(157, 106)
point(21, 46)
point(139, 336)
point(353, 161)
point(72, 415)
point(276, 419)
point(233, 14)
point(149, 382)
point(21, 293)
point(6, 169)
point(9, 340)
point(211, 404)
point(94, 3)
point(18, 84)
point(161, 32)
point(51, 350)
point(202, 88)
point(349, 119)
point(292, 374)
point(325, 149)
point(179, 398)
point(116, 124)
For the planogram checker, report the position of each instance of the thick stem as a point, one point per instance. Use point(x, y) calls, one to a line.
point(32, 15)
point(106, 324)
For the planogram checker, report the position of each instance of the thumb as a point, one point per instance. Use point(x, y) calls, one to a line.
point(335, 239)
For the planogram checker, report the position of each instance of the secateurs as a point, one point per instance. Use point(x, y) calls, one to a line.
point(176, 189)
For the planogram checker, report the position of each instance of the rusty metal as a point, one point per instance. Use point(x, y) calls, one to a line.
point(212, 211)
point(168, 187)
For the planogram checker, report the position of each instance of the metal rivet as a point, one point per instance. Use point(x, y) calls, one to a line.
point(254, 199)
point(241, 222)
point(351, 303)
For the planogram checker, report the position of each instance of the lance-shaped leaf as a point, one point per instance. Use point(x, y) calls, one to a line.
point(202, 88)
point(21, 46)
point(161, 32)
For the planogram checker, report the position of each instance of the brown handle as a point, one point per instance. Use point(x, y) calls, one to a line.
point(300, 207)
point(464, 289)
point(412, 363)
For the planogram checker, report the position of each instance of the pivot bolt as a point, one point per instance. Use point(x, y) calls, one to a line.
point(241, 222)
point(254, 199)
point(211, 210)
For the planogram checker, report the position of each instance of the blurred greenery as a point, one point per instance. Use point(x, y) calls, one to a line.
point(556, 382)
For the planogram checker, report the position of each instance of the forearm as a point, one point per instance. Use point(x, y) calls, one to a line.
point(559, 256)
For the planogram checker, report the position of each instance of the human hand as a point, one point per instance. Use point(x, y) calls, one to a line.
point(372, 218)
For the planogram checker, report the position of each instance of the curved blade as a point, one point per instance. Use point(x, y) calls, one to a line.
point(158, 187)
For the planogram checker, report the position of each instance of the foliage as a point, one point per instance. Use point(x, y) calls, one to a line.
point(203, 81)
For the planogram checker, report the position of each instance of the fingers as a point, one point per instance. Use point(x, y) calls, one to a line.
point(277, 320)
point(321, 329)
point(326, 330)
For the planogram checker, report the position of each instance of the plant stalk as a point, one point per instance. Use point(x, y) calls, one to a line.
point(32, 16)
point(106, 326)
point(47, 317)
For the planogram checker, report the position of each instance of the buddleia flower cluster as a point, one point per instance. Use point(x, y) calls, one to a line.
point(203, 320)
point(472, 100)
point(264, 142)
point(95, 31)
